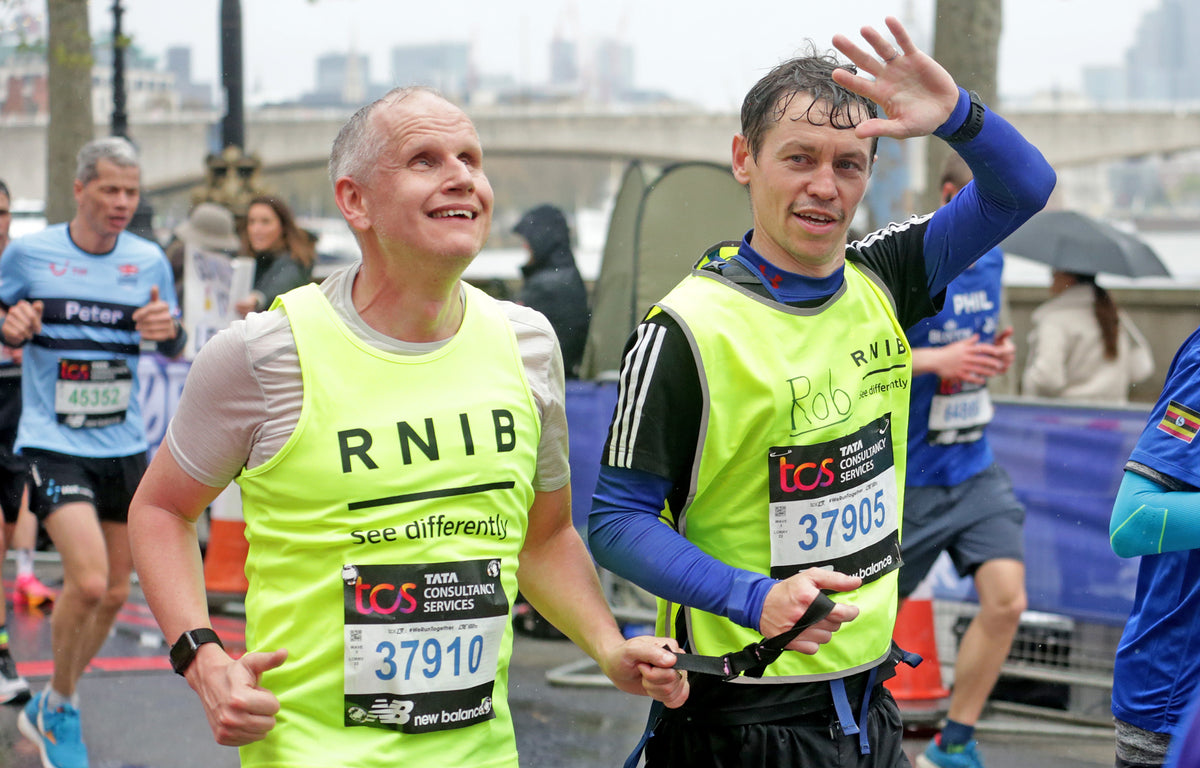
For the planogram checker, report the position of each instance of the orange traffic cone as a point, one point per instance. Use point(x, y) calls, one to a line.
point(225, 556)
point(915, 633)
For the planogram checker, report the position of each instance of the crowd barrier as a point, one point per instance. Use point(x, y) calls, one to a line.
point(161, 380)
point(1065, 463)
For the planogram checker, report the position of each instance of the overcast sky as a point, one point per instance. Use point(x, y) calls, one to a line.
point(707, 51)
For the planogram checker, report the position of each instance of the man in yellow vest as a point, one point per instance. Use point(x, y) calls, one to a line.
point(400, 442)
point(763, 408)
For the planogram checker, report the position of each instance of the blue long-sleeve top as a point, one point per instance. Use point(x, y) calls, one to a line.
point(625, 528)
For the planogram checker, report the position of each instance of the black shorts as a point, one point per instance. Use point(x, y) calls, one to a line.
point(14, 470)
point(14, 476)
point(813, 739)
point(107, 484)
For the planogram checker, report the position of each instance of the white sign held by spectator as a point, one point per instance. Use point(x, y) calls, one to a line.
point(212, 283)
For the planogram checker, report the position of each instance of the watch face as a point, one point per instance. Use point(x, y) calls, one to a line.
point(181, 654)
point(185, 647)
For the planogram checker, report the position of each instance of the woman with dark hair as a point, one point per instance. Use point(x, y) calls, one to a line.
point(1082, 347)
point(283, 253)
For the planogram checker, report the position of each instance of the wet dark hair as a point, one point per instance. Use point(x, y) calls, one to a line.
point(769, 99)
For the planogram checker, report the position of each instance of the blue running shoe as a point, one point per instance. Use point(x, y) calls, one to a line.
point(962, 757)
point(56, 733)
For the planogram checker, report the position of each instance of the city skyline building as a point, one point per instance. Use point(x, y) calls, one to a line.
point(1161, 67)
point(192, 95)
point(444, 66)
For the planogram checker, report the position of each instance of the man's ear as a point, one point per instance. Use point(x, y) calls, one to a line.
point(741, 159)
point(351, 202)
point(949, 190)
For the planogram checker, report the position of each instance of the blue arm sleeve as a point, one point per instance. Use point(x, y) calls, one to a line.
point(1148, 519)
point(627, 536)
point(1012, 182)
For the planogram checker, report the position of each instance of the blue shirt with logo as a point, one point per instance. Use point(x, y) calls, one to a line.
point(1158, 659)
point(80, 369)
point(946, 457)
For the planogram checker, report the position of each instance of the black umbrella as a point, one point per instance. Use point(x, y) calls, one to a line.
point(1072, 242)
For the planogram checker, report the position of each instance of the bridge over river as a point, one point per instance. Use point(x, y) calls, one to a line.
point(174, 146)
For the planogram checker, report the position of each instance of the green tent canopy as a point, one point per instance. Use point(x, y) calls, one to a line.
point(659, 229)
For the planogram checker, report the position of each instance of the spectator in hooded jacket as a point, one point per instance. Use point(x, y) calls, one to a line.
point(553, 285)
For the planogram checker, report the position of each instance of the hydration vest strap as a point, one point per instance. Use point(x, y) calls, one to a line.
point(864, 744)
point(656, 708)
point(841, 705)
point(754, 659)
point(909, 658)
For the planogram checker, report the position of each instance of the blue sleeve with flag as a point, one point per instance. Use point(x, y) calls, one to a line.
point(1168, 443)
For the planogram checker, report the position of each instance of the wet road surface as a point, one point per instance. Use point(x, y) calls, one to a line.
point(138, 714)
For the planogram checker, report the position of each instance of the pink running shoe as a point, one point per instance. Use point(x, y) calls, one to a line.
point(29, 591)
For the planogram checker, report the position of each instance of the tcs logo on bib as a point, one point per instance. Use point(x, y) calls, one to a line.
point(805, 476)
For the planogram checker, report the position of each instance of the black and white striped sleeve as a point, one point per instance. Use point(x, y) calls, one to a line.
point(656, 422)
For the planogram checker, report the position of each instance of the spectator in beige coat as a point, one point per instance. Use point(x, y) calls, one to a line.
point(1082, 347)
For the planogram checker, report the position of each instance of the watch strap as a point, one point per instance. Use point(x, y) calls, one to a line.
point(972, 125)
point(183, 652)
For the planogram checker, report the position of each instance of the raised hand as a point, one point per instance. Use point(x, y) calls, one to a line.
point(916, 93)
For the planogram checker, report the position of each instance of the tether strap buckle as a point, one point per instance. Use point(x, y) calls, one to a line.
point(754, 659)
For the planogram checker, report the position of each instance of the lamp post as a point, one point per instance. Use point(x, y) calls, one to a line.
point(120, 121)
point(233, 128)
point(232, 174)
point(142, 222)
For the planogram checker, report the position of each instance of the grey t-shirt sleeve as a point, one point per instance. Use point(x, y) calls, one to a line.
point(220, 412)
point(544, 369)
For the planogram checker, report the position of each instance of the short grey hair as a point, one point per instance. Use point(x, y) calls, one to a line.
point(114, 149)
point(359, 143)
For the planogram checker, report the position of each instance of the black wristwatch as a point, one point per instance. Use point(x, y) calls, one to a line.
point(972, 125)
point(184, 650)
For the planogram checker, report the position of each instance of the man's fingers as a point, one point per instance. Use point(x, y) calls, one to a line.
point(903, 39)
point(153, 293)
point(35, 321)
point(841, 613)
point(259, 662)
point(666, 685)
point(832, 580)
point(654, 651)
